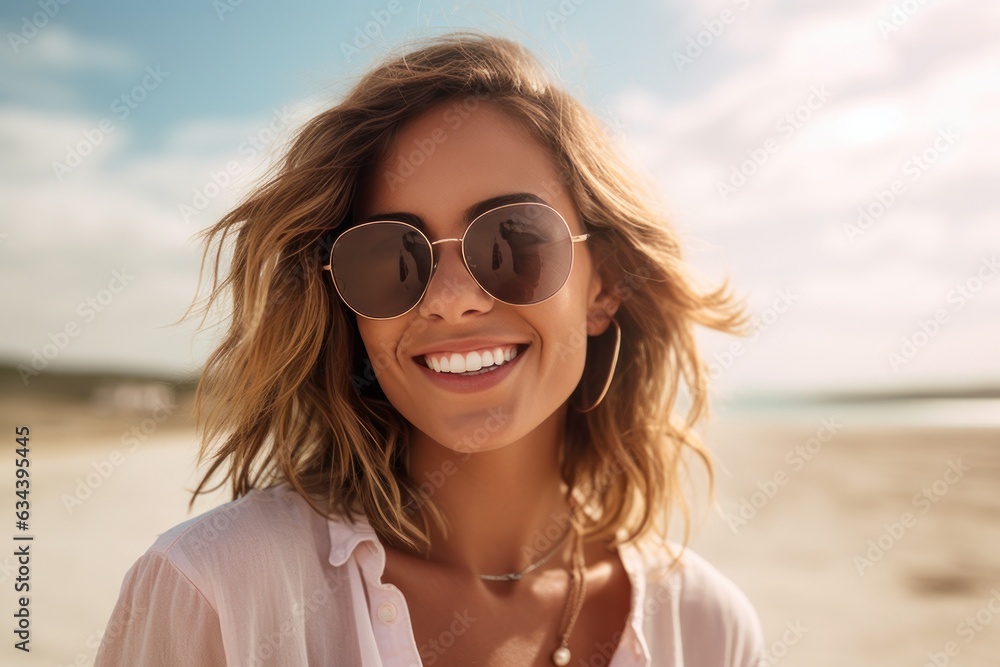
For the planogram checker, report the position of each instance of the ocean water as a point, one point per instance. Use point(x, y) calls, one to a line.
point(936, 412)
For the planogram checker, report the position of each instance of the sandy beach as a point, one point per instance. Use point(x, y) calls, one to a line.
point(877, 546)
point(859, 543)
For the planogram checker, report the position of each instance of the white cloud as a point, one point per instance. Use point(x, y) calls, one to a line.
point(889, 100)
point(783, 230)
point(56, 48)
point(117, 211)
point(40, 69)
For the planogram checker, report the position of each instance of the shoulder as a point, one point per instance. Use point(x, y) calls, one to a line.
point(267, 530)
point(160, 619)
point(707, 593)
point(711, 613)
point(243, 583)
point(278, 511)
point(238, 576)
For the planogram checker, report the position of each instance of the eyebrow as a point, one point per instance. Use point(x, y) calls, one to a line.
point(471, 213)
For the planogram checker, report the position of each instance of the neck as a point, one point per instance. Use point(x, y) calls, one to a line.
point(505, 508)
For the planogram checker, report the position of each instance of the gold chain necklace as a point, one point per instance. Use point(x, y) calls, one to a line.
point(574, 599)
point(574, 596)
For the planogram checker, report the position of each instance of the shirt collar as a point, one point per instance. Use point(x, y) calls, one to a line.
point(345, 536)
point(635, 568)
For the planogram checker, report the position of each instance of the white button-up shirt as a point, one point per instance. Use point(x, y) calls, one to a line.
point(265, 580)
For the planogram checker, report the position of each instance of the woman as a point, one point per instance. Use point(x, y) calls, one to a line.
point(445, 400)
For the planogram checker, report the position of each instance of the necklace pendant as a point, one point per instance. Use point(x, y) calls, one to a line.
point(561, 656)
point(514, 576)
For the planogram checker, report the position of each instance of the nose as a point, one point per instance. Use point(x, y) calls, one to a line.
point(453, 293)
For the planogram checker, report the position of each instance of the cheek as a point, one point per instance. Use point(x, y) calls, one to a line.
point(563, 329)
point(579, 290)
point(376, 337)
point(387, 342)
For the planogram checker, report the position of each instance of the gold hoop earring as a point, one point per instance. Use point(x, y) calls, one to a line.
point(602, 359)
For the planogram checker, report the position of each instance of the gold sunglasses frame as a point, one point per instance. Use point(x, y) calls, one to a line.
point(435, 257)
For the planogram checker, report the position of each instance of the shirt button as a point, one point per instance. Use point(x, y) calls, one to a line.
point(387, 612)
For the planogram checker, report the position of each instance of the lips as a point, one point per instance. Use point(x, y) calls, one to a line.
point(476, 360)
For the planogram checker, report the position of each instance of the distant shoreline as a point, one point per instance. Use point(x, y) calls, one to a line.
point(79, 383)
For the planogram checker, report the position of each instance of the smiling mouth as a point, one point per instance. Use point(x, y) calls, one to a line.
point(482, 362)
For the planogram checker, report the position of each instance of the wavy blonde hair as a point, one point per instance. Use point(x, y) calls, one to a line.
point(284, 397)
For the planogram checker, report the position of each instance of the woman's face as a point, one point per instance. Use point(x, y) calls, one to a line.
point(441, 165)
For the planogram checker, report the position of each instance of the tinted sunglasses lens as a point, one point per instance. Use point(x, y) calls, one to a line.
point(521, 253)
point(381, 268)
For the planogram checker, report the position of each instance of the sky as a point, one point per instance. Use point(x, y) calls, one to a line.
point(836, 162)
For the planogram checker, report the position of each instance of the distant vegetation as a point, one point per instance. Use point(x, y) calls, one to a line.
point(81, 385)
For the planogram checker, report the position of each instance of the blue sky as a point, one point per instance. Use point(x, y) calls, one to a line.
point(241, 59)
point(774, 131)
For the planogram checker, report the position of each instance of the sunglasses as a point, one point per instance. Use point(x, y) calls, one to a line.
point(520, 254)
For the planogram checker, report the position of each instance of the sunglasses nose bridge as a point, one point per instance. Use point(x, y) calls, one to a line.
point(436, 253)
point(434, 243)
point(436, 256)
point(452, 283)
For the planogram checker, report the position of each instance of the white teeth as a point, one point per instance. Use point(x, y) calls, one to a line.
point(473, 362)
point(470, 362)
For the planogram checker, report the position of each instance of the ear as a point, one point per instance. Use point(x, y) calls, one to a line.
point(602, 304)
